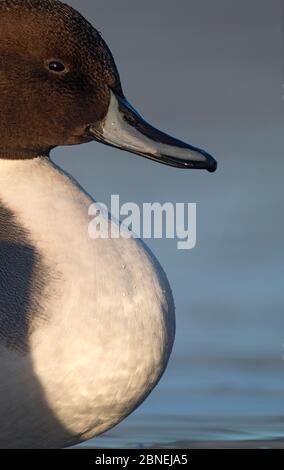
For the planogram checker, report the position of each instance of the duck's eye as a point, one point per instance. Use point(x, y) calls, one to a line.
point(55, 66)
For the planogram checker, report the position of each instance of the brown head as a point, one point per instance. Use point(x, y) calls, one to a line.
point(59, 86)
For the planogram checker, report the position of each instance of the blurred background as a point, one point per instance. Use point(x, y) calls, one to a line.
point(211, 74)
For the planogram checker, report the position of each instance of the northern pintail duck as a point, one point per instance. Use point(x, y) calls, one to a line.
point(86, 326)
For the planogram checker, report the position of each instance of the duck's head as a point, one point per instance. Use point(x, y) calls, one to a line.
point(59, 86)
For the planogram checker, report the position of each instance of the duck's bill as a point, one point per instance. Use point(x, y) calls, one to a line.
point(125, 129)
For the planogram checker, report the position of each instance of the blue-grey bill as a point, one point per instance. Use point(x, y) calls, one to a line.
point(125, 129)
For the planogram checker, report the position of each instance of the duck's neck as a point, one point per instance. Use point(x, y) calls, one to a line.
point(22, 154)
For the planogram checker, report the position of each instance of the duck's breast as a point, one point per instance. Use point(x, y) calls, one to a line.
point(96, 325)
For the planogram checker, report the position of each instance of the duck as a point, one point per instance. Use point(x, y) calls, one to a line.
point(87, 325)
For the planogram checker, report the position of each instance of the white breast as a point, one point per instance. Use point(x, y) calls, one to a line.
point(109, 326)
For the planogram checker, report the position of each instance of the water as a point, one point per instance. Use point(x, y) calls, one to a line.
point(211, 73)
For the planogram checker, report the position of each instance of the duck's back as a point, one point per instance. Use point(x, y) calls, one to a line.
point(86, 326)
